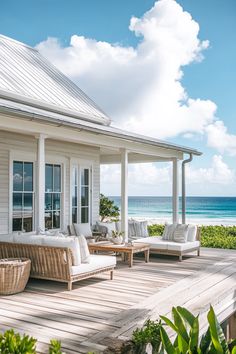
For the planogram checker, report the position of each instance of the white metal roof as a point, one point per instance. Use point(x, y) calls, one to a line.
point(27, 77)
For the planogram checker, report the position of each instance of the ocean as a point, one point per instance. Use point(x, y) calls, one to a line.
point(199, 210)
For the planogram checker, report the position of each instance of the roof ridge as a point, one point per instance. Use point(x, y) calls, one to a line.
point(2, 36)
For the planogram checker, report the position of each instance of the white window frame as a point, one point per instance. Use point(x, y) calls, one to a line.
point(60, 162)
point(81, 164)
point(21, 156)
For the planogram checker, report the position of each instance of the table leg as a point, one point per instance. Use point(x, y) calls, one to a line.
point(131, 259)
point(146, 256)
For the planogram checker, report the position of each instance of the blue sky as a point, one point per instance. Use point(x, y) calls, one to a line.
point(211, 79)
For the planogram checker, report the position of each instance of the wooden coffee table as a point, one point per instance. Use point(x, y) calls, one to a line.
point(126, 250)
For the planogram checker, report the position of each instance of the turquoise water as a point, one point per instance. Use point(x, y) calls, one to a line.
point(205, 210)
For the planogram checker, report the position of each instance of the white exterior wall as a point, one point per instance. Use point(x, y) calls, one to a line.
point(17, 146)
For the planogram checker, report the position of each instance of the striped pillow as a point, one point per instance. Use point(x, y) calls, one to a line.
point(168, 232)
point(181, 233)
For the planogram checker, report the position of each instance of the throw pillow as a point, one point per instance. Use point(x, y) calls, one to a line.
point(83, 229)
point(192, 233)
point(131, 228)
point(110, 226)
point(84, 251)
point(181, 233)
point(168, 232)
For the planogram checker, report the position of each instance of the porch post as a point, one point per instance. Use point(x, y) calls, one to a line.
point(40, 186)
point(175, 191)
point(124, 193)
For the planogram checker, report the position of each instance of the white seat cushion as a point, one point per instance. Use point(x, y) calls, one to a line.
point(154, 242)
point(84, 251)
point(96, 262)
point(83, 229)
point(65, 242)
point(176, 246)
point(192, 233)
point(6, 238)
point(28, 239)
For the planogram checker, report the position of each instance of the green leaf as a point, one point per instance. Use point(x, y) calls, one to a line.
point(180, 325)
point(217, 335)
point(234, 350)
point(188, 316)
point(194, 335)
point(169, 323)
point(169, 348)
point(205, 341)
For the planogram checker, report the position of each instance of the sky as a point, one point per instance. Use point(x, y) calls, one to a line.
point(163, 68)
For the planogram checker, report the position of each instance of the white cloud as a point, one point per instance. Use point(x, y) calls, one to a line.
point(220, 139)
point(218, 173)
point(140, 87)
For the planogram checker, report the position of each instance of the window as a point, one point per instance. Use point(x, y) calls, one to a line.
point(52, 196)
point(23, 196)
point(84, 199)
point(80, 195)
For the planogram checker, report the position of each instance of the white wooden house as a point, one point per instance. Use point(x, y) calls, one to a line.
point(53, 139)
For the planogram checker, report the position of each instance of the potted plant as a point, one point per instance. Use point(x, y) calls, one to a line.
point(117, 237)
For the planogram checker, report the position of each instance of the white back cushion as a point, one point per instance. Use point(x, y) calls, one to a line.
point(84, 251)
point(141, 229)
point(65, 242)
point(28, 239)
point(181, 233)
point(192, 233)
point(131, 228)
point(168, 233)
point(6, 238)
point(83, 229)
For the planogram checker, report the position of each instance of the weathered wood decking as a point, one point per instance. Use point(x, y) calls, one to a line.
point(98, 309)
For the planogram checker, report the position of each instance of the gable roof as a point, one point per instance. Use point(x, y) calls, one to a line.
point(27, 77)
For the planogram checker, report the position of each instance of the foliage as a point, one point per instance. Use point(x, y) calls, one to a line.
point(55, 347)
point(211, 236)
point(188, 340)
point(108, 209)
point(150, 333)
point(14, 343)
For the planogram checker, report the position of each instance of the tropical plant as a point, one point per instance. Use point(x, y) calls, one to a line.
point(108, 209)
point(14, 343)
point(188, 340)
point(149, 334)
point(55, 347)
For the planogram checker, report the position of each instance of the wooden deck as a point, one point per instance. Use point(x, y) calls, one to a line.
point(98, 309)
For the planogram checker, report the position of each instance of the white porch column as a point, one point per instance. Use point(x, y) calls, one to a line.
point(175, 192)
point(124, 193)
point(40, 186)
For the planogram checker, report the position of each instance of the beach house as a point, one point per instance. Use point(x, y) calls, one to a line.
point(53, 139)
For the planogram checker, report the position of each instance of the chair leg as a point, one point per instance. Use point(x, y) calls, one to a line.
point(69, 285)
point(198, 252)
point(111, 274)
point(180, 258)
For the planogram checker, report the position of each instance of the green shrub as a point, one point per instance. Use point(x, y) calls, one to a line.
point(150, 333)
point(55, 347)
point(211, 236)
point(108, 209)
point(14, 343)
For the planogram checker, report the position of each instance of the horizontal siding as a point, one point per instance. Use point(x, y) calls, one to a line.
point(56, 150)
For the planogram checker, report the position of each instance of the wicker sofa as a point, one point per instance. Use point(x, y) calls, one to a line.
point(56, 263)
point(160, 245)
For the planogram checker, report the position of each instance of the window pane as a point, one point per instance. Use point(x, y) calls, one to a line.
point(28, 176)
point(48, 201)
point(17, 224)
point(57, 178)
point(56, 201)
point(85, 177)
point(17, 201)
point(74, 176)
point(74, 215)
point(74, 196)
point(84, 196)
point(28, 224)
point(17, 176)
point(48, 220)
point(28, 201)
point(48, 178)
point(56, 220)
point(84, 215)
